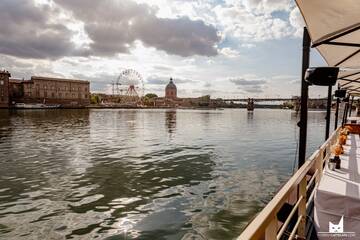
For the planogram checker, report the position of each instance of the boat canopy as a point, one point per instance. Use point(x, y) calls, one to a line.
point(334, 28)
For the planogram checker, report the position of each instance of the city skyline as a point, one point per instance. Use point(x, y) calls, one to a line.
point(247, 48)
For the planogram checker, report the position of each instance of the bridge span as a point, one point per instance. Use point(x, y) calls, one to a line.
point(269, 99)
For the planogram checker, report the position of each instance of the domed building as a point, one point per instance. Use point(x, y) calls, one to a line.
point(171, 90)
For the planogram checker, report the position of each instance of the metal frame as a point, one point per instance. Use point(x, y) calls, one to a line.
point(328, 113)
point(304, 98)
point(332, 36)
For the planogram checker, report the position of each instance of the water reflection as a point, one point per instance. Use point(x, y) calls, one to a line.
point(170, 121)
point(114, 174)
point(250, 115)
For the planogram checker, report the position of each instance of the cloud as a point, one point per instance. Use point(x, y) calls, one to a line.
point(245, 25)
point(254, 89)
point(253, 85)
point(162, 80)
point(297, 21)
point(31, 31)
point(207, 85)
point(99, 82)
point(229, 52)
point(114, 26)
point(265, 6)
point(163, 68)
point(244, 82)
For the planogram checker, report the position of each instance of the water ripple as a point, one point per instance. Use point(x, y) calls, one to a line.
point(149, 174)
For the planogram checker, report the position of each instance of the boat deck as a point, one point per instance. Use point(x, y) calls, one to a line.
point(315, 196)
point(337, 198)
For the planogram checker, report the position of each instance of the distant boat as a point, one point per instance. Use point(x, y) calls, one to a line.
point(36, 106)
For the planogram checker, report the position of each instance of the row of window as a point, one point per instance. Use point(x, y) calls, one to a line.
point(38, 86)
point(54, 95)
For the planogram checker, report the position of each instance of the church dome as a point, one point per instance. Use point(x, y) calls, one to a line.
point(171, 90)
point(171, 84)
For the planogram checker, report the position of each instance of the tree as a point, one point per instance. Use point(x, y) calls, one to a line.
point(95, 99)
point(151, 95)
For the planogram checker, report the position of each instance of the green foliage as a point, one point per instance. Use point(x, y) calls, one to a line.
point(151, 95)
point(205, 98)
point(95, 99)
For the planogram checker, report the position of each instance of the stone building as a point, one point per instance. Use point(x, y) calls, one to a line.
point(4, 89)
point(67, 92)
point(171, 90)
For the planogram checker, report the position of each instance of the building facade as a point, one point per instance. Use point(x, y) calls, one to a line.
point(66, 92)
point(4, 89)
point(171, 90)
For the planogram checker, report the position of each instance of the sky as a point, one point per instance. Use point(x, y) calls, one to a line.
point(225, 48)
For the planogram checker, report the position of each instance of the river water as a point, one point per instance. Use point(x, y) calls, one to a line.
point(143, 174)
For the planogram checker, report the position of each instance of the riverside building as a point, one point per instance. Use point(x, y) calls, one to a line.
point(66, 92)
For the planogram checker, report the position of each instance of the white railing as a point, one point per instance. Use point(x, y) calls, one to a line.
point(266, 225)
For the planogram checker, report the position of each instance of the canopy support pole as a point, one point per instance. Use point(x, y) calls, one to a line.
point(345, 114)
point(351, 104)
point(304, 98)
point(328, 113)
point(336, 113)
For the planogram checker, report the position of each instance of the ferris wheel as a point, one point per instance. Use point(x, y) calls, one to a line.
point(129, 86)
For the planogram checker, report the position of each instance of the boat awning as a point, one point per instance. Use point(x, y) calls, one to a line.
point(334, 28)
point(350, 80)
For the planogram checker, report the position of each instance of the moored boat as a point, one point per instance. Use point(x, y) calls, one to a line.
point(36, 106)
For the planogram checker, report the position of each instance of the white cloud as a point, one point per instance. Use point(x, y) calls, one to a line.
point(229, 52)
point(238, 22)
point(297, 21)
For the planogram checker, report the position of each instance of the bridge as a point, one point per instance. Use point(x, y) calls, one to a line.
point(294, 102)
point(270, 99)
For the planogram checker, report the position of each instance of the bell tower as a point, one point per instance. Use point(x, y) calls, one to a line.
point(4, 89)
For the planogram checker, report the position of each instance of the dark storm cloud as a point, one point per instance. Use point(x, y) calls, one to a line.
point(114, 26)
point(26, 31)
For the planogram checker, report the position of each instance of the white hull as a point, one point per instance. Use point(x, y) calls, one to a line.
point(36, 106)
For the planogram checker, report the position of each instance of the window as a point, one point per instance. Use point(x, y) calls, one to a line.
point(2, 82)
point(86, 96)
